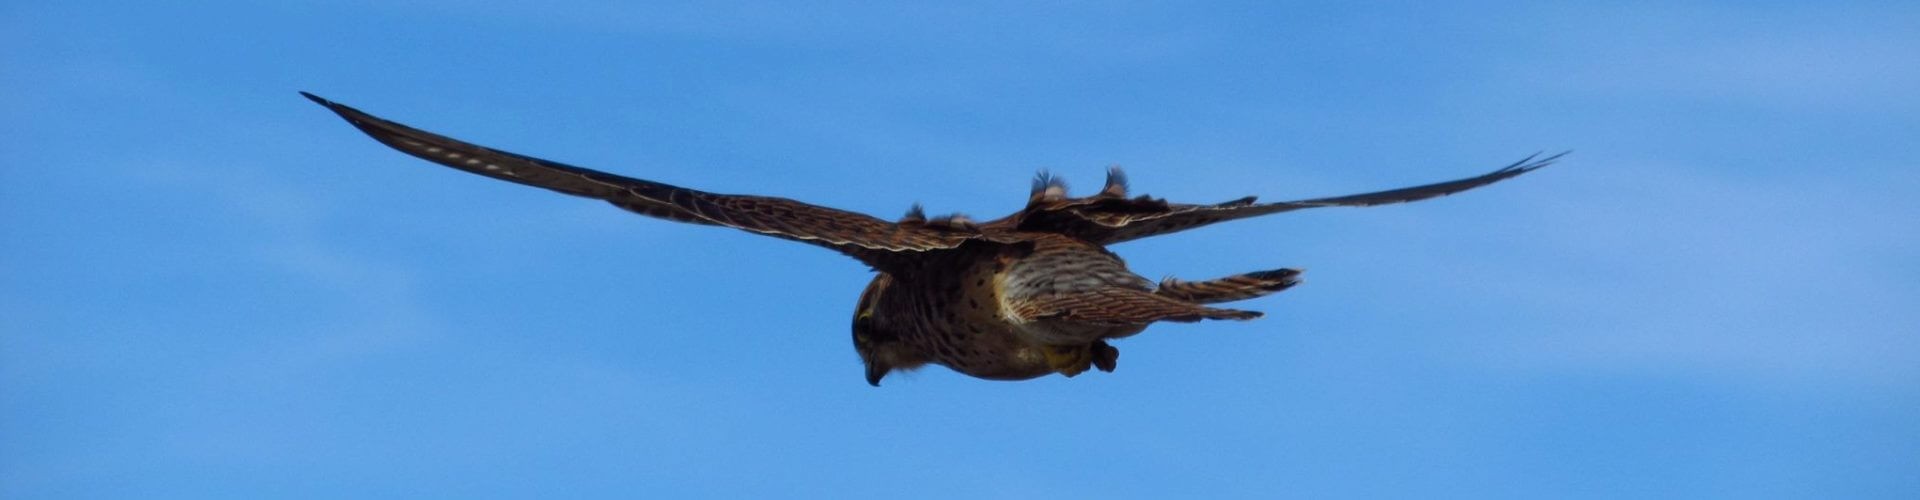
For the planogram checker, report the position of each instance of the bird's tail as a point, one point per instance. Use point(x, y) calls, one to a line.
point(1231, 288)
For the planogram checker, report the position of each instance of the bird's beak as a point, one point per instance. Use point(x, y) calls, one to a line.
point(874, 373)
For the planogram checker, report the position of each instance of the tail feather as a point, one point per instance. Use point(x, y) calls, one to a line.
point(1120, 306)
point(1231, 288)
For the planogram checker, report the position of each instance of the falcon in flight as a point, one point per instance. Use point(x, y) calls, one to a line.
point(1023, 296)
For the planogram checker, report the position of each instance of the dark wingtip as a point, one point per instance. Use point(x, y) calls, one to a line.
point(381, 130)
point(1530, 163)
point(1276, 274)
point(353, 116)
point(316, 99)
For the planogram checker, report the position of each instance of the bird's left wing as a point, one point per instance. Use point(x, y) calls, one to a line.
point(859, 235)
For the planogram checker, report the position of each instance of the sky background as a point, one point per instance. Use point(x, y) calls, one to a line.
point(212, 288)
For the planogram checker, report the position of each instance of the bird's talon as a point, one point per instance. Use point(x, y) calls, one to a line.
point(1105, 357)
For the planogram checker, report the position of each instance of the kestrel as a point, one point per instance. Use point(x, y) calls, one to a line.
point(1023, 296)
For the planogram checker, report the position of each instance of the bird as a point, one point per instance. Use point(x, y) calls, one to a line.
point(1031, 294)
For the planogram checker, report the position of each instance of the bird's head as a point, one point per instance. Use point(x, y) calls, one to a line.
point(880, 348)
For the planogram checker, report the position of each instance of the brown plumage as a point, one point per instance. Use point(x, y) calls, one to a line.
point(1027, 295)
point(1229, 289)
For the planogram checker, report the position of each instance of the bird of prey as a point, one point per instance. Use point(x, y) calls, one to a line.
point(1027, 295)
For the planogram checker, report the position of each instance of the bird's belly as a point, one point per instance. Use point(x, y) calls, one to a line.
point(955, 320)
point(959, 315)
point(983, 347)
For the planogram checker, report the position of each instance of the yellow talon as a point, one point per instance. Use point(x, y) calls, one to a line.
point(1067, 360)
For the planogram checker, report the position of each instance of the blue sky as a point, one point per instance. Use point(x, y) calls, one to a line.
point(215, 289)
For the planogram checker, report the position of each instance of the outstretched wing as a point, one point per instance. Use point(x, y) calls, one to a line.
point(859, 235)
point(1106, 219)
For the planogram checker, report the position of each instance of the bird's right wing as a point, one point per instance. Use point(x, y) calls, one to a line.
point(859, 235)
point(1107, 219)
